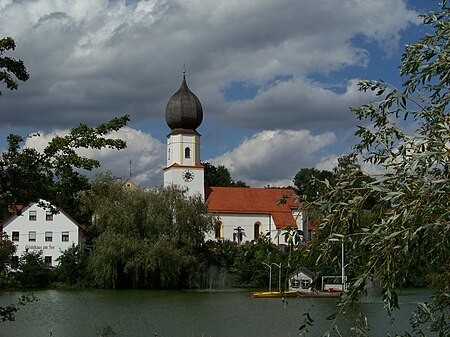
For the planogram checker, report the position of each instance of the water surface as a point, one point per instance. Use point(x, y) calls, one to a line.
point(75, 313)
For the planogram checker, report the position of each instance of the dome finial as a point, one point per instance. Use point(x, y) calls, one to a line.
point(184, 110)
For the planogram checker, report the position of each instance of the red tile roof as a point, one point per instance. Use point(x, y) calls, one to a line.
point(241, 200)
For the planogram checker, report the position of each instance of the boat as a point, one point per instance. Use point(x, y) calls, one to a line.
point(272, 294)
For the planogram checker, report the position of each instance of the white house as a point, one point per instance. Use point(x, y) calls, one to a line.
point(37, 228)
point(244, 214)
point(301, 280)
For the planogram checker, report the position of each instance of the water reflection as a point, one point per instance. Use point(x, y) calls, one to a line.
point(188, 313)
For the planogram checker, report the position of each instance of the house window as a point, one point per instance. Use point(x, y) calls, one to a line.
point(187, 152)
point(218, 230)
point(32, 215)
point(49, 216)
point(15, 236)
point(31, 236)
point(48, 236)
point(48, 260)
point(65, 236)
point(257, 231)
point(305, 283)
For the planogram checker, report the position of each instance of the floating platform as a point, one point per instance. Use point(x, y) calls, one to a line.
point(323, 294)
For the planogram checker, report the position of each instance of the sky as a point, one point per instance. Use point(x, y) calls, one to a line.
point(275, 78)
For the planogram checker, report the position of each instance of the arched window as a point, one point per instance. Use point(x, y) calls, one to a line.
point(187, 152)
point(257, 230)
point(218, 230)
point(168, 154)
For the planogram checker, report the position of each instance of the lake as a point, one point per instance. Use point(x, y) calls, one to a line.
point(75, 313)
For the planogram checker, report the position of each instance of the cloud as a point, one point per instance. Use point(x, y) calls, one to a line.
point(91, 60)
point(273, 157)
point(147, 156)
point(297, 104)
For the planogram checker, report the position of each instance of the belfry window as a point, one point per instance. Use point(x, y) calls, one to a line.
point(187, 152)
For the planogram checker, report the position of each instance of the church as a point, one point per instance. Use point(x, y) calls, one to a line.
point(244, 214)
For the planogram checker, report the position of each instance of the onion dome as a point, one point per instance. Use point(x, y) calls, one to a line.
point(184, 110)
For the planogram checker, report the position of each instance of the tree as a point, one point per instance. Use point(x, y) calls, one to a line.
point(7, 250)
point(249, 269)
point(413, 220)
point(145, 238)
point(71, 267)
point(220, 176)
point(33, 272)
point(10, 67)
point(309, 182)
point(27, 175)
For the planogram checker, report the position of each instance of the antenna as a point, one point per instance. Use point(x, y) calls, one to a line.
point(184, 70)
point(130, 169)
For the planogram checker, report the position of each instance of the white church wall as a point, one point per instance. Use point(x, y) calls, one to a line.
point(231, 222)
point(246, 222)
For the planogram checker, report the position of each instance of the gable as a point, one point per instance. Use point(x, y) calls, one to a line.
point(62, 216)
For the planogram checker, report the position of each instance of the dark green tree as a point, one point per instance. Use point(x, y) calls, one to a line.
point(249, 269)
point(413, 221)
point(220, 176)
point(310, 183)
point(145, 238)
point(71, 269)
point(33, 272)
point(7, 250)
point(27, 175)
point(11, 70)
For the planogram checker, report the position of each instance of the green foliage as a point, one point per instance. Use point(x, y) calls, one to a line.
point(7, 250)
point(310, 183)
point(51, 175)
point(145, 239)
point(33, 272)
point(8, 313)
point(220, 176)
point(71, 268)
point(249, 270)
point(219, 253)
point(10, 67)
point(410, 228)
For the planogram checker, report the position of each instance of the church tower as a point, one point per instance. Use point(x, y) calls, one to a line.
point(184, 114)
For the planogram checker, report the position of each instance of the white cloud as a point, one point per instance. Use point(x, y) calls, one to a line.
point(273, 157)
point(91, 60)
point(328, 163)
point(147, 155)
point(297, 104)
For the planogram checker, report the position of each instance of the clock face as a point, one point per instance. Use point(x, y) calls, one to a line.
point(188, 175)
